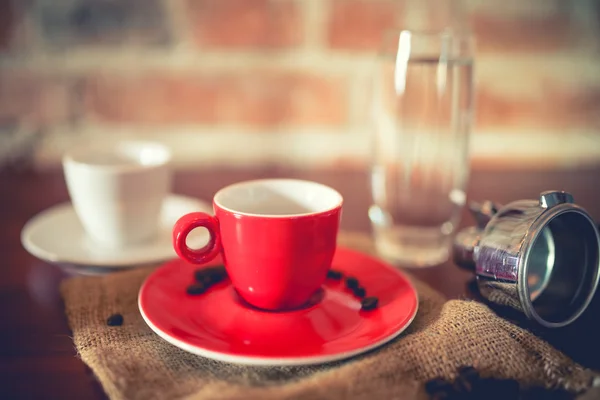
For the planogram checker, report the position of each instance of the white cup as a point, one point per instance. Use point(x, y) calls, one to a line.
point(117, 190)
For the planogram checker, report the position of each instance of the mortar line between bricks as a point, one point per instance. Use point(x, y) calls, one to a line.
point(202, 146)
point(306, 60)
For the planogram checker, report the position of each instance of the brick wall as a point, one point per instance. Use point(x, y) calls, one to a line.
point(261, 81)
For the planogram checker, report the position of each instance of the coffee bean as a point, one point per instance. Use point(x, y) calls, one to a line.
point(351, 282)
point(208, 280)
point(468, 382)
point(487, 385)
point(369, 303)
point(333, 274)
point(196, 289)
point(494, 388)
point(510, 388)
point(211, 275)
point(217, 276)
point(436, 385)
point(115, 320)
point(462, 385)
point(216, 270)
point(442, 396)
point(203, 278)
point(440, 389)
point(536, 393)
point(359, 291)
point(468, 372)
point(467, 378)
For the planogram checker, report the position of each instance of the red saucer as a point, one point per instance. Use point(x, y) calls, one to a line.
point(220, 325)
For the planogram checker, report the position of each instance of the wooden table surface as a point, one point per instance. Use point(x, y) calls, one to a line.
point(37, 356)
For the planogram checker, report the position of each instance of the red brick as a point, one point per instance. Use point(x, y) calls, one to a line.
point(245, 23)
point(260, 98)
point(360, 24)
point(6, 23)
point(524, 32)
point(35, 98)
point(559, 107)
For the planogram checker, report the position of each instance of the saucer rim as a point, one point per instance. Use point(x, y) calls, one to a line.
point(74, 263)
point(283, 361)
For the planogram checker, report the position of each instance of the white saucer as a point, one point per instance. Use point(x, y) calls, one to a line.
point(56, 236)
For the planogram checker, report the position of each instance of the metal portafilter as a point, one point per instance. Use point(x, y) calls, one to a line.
point(540, 257)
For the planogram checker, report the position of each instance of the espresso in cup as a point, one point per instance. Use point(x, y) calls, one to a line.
point(118, 189)
point(277, 238)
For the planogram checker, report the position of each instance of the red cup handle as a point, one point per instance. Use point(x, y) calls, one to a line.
point(185, 225)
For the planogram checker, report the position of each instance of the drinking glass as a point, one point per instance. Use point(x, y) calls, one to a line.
point(422, 107)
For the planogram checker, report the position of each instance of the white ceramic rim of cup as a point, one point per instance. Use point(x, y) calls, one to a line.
point(334, 200)
point(160, 155)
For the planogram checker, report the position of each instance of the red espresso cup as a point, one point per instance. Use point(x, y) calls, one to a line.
point(277, 238)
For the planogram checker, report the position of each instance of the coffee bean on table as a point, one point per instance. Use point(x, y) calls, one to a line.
point(538, 392)
point(115, 320)
point(436, 385)
point(196, 289)
point(469, 372)
point(467, 378)
point(333, 274)
point(369, 303)
point(359, 291)
point(443, 396)
point(463, 385)
point(495, 388)
point(351, 282)
point(510, 388)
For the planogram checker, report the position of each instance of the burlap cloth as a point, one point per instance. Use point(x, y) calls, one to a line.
point(132, 362)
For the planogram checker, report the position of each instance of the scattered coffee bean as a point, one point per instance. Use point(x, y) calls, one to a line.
point(217, 269)
point(196, 289)
point(462, 385)
point(469, 372)
point(514, 385)
point(437, 385)
point(470, 385)
point(333, 274)
point(510, 389)
point(468, 377)
point(359, 292)
point(115, 320)
point(210, 274)
point(351, 282)
point(202, 277)
point(206, 277)
point(537, 393)
point(217, 274)
point(369, 303)
point(443, 396)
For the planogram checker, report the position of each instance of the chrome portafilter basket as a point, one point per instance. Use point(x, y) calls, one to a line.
point(540, 257)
